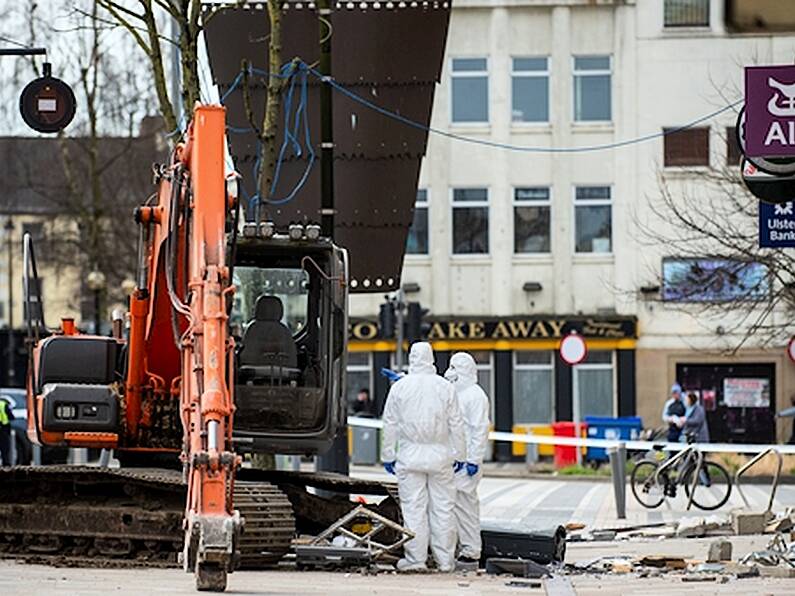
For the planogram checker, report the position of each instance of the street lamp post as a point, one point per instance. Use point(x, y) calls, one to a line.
point(9, 228)
point(96, 283)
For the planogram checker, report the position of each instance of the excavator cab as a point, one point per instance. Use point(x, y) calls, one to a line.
point(289, 321)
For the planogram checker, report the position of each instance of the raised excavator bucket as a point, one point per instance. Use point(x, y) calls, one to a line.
point(389, 53)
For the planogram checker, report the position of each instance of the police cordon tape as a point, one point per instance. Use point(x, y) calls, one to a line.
point(745, 448)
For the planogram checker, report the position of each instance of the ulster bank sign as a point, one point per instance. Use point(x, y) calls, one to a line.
point(511, 328)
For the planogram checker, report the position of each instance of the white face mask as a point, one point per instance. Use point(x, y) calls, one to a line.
point(451, 375)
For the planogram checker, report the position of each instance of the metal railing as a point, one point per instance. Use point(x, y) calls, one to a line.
point(776, 477)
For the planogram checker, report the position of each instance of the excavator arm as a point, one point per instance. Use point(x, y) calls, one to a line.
point(191, 216)
point(211, 525)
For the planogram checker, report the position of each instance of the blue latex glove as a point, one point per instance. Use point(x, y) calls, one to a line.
point(389, 466)
point(457, 466)
point(472, 469)
point(391, 374)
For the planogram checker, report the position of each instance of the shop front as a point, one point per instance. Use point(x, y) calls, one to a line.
point(736, 397)
point(518, 365)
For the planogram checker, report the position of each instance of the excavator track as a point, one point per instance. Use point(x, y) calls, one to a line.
point(269, 524)
point(100, 517)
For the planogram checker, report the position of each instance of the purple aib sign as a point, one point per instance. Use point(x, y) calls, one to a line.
point(770, 111)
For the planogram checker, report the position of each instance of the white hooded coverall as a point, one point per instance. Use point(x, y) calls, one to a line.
point(474, 405)
point(421, 423)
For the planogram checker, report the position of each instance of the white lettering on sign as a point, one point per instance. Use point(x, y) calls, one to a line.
point(777, 134)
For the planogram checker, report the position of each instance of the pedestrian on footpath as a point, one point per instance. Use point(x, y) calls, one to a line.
point(694, 422)
point(6, 416)
point(423, 442)
point(474, 405)
point(673, 410)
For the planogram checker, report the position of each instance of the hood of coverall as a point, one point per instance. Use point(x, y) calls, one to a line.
point(421, 359)
point(463, 371)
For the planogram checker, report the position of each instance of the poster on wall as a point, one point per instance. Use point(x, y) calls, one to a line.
point(746, 393)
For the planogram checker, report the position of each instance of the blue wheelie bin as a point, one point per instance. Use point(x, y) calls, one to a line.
point(602, 427)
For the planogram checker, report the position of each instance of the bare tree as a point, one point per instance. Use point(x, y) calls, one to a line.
point(99, 167)
point(716, 218)
point(140, 18)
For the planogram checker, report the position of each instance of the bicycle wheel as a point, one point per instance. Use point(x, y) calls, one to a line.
point(647, 492)
point(713, 488)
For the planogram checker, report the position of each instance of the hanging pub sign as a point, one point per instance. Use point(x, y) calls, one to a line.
point(47, 104)
point(770, 111)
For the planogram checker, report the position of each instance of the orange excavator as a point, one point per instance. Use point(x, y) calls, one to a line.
point(174, 371)
point(236, 337)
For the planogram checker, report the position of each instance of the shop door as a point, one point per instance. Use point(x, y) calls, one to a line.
point(739, 399)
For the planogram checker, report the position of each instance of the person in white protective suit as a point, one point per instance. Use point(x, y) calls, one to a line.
point(474, 405)
point(423, 441)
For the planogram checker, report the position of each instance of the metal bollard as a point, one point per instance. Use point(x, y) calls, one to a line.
point(531, 453)
point(618, 462)
point(13, 453)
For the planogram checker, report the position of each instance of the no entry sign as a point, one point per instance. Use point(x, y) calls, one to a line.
point(573, 349)
point(770, 111)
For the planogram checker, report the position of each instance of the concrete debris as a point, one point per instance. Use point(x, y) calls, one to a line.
point(603, 535)
point(710, 568)
point(517, 568)
point(622, 567)
point(781, 523)
point(787, 572)
point(664, 561)
point(752, 572)
point(698, 578)
point(691, 527)
point(572, 526)
point(720, 550)
point(744, 523)
point(518, 583)
point(778, 552)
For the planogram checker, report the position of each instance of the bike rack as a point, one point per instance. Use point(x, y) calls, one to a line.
point(675, 459)
point(753, 462)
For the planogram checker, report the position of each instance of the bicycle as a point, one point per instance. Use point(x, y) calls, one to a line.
point(709, 488)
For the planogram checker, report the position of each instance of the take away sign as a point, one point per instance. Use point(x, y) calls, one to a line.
point(770, 111)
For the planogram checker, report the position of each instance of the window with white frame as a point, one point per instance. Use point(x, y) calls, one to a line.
point(592, 93)
point(531, 217)
point(686, 13)
point(359, 376)
point(483, 362)
point(593, 219)
point(417, 241)
point(470, 221)
point(469, 90)
point(530, 89)
point(595, 384)
point(533, 399)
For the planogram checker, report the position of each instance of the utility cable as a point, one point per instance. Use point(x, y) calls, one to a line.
point(507, 146)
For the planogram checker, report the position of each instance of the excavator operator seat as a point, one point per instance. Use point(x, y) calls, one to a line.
point(269, 352)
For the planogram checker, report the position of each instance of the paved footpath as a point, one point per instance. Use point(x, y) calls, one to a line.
point(528, 502)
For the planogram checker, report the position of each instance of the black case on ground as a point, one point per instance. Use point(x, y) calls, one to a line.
point(542, 546)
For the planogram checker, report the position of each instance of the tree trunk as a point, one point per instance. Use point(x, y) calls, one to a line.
point(269, 123)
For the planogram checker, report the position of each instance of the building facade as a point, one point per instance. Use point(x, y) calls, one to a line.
point(552, 232)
